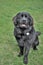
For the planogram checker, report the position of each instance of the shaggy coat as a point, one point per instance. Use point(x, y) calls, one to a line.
point(25, 34)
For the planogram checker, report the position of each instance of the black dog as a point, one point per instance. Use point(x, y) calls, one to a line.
point(25, 34)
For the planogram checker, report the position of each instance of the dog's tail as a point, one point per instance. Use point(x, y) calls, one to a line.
point(38, 33)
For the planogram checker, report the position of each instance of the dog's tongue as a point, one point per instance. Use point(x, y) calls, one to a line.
point(23, 25)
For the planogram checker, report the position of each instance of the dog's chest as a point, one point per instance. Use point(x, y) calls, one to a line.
point(29, 36)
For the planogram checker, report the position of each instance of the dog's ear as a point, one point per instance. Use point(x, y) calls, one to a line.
point(31, 21)
point(14, 20)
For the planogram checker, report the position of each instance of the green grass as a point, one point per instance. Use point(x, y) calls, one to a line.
point(8, 45)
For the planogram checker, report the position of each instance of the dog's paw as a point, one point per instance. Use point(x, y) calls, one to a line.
point(20, 54)
point(35, 49)
point(25, 61)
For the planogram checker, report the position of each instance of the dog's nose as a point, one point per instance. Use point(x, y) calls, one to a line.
point(23, 21)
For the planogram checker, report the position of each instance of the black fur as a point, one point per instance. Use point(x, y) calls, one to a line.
point(25, 34)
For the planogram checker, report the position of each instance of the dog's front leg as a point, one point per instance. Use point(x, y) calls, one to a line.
point(21, 51)
point(27, 48)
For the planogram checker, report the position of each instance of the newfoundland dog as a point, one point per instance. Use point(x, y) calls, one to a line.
point(25, 34)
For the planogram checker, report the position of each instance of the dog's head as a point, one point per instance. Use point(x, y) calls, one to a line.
point(23, 20)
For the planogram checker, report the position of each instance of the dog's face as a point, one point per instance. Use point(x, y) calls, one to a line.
point(23, 20)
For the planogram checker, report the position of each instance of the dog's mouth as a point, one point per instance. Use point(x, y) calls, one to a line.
point(23, 25)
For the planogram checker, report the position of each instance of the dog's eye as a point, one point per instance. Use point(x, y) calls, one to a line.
point(22, 15)
point(25, 15)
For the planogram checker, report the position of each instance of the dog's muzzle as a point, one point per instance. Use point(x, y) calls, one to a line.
point(23, 22)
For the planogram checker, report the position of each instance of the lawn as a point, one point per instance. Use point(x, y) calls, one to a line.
point(8, 44)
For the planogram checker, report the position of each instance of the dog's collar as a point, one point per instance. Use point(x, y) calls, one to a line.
point(27, 33)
